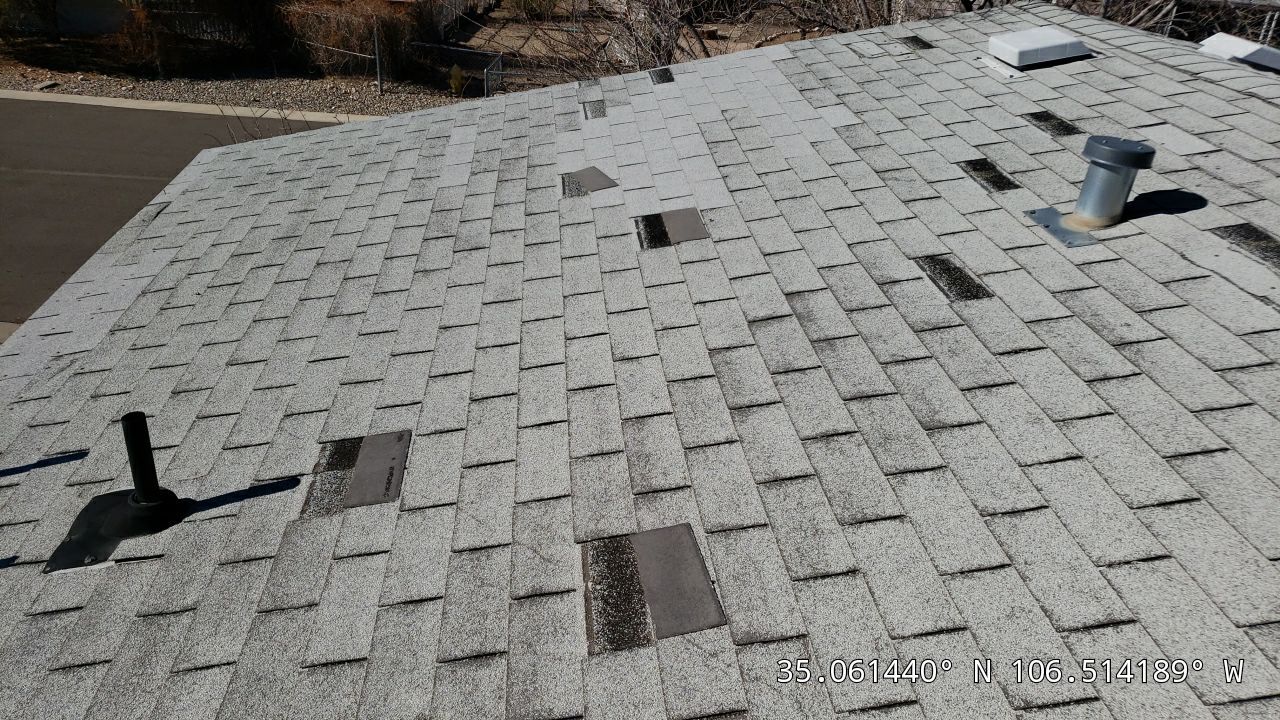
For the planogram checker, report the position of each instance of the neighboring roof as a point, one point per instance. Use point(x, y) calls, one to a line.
point(1081, 466)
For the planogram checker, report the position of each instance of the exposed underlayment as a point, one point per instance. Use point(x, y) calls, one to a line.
point(901, 421)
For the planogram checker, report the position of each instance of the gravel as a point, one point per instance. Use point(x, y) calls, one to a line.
point(355, 96)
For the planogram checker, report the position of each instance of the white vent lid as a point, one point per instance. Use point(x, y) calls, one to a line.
point(1228, 47)
point(1036, 46)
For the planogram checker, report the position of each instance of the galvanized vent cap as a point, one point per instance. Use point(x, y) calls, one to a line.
point(1119, 151)
point(1036, 46)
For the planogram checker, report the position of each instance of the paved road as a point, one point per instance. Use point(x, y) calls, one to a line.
point(71, 175)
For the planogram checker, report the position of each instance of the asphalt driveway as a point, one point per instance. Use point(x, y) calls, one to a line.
point(73, 174)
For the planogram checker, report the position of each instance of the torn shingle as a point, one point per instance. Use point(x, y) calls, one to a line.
point(953, 279)
point(988, 175)
point(1049, 122)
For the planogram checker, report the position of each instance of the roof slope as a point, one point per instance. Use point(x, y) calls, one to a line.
point(1081, 466)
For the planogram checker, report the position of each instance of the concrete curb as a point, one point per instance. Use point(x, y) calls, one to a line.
point(226, 110)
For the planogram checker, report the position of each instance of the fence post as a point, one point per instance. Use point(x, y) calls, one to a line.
point(377, 55)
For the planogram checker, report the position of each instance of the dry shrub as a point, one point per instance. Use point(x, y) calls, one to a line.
point(138, 41)
point(324, 28)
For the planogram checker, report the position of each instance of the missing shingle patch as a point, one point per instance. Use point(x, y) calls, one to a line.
point(379, 469)
point(652, 232)
point(952, 279)
point(915, 42)
point(586, 180)
point(1052, 124)
point(661, 76)
point(647, 585)
point(685, 224)
point(357, 471)
point(668, 228)
point(1253, 240)
point(986, 174)
point(593, 109)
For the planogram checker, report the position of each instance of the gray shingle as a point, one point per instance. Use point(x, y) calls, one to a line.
point(401, 674)
point(655, 456)
point(722, 484)
point(419, 561)
point(1008, 624)
point(772, 448)
point(545, 657)
point(843, 623)
point(344, 621)
point(930, 395)
point(754, 587)
point(700, 674)
point(626, 684)
point(853, 483)
point(1182, 376)
point(301, 566)
point(743, 377)
point(887, 334)
point(946, 522)
point(1211, 343)
point(1052, 385)
point(1095, 515)
point(759, 666)
point(783, 345)
point(601, 497)
point(684, 356)
point(475, 604)
point(1238, 579)
point(1156, 416)
point(433, 471)
point(907, 589)
point(996, 326)
point(811, 542)
point(1195, 629)
point(1068, 587)
point(954, 692)
point(542, 462)
point(595, 426)
point(543, 557)
point(813, 403)
point(1028, 435)
point(484, 505)
point(1128, 464)
point(896, 440)
point(1087, 354)
point(1117, 642)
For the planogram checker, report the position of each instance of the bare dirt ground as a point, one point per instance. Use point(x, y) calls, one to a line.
point(356, 96)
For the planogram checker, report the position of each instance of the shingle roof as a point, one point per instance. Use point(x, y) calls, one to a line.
point(1077, 464)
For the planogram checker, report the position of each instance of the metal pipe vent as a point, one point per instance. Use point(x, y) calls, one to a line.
point(1113, 164)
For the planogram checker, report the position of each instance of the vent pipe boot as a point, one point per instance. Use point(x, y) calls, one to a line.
point(150, 508)
point(107, 519)
point(1113, 165)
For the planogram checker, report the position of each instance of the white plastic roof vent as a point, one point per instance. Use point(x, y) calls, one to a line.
point(1228, 47)
point(1036, 46)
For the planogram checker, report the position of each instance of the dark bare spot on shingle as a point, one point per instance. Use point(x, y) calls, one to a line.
point(617, 616)
point(652, 232)
point(338, 455)
point(986, 174)
point(1253, 240)
point(661, 76)
point(1052, 124)
point(324, 496)
point(915, 42)
point(594, 109)
point(571, 186)
point(956, 282)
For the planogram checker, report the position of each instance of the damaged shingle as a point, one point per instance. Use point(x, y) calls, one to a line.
point(661, 76)
point(1052, 124)
point(915, 42)
point(594, 109)
point(1253, 240)
point(986, 174)
point(956, 282)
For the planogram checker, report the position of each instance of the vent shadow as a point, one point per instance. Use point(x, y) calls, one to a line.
point(594, 109)
point(1052, 124)
point(661, 76)
point(1253, 240)
point(955, 281)
point(915, 42)
point(986, 174)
